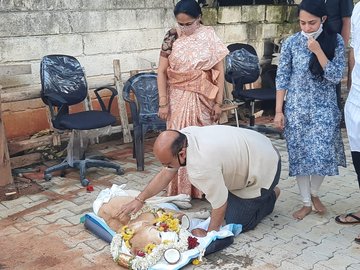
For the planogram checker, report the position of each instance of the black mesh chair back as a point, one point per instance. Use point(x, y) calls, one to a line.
point(62, 76)
point(242, 66)
point(144, 110)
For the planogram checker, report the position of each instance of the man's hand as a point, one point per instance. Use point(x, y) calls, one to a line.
point(129, 209)
point(199, 232)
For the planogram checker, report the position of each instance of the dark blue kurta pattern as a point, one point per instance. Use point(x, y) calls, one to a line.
point(312, 117)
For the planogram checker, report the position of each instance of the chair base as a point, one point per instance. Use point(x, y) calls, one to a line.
point(82, 165)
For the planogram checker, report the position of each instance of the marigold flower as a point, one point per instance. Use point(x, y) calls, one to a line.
point(149, 247)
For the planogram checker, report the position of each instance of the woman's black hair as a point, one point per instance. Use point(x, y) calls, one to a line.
point(327, 39)
point(188, 7)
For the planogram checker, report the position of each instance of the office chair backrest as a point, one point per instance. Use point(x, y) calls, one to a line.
point(62, 80)
point(238, 46)
point(144, 86)
point(242, 65)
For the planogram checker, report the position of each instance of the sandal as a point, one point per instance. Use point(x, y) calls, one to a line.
point(357, 240)
point(339, 221)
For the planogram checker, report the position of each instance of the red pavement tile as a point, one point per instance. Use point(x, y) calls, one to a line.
point(119, 154)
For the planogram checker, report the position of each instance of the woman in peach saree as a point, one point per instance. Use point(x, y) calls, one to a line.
point(190, 79)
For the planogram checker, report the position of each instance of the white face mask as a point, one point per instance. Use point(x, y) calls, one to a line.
point(315, 34)
point(190, 29)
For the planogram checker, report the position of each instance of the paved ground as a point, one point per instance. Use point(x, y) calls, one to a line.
point(42, 231)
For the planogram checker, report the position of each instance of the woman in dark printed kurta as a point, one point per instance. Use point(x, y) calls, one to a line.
point(311, 118)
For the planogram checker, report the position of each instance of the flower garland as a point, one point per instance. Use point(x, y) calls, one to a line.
point(143, 263)
point(167, 222)
point(146, 209)
point(144, 259)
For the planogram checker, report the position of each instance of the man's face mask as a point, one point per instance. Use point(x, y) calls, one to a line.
point(189, 29)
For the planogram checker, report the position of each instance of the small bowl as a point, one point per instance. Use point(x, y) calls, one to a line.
point(172, 255)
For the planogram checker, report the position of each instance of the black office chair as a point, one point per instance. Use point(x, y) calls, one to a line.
point(242, 67)
point(63, 84)
point(144, 109)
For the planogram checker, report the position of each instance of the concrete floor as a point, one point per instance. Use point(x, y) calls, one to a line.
point(42, 231)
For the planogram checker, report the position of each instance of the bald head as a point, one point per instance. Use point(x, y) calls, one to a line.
point(168, 144)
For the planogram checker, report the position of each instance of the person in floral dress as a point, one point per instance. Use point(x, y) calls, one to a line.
point(312, 62)
point(190, 79)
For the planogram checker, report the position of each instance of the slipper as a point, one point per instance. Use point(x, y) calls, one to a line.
point(357, 240)
point(339, 221)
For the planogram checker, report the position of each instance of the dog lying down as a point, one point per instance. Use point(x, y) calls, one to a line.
point(143, 224)
point(159, 235)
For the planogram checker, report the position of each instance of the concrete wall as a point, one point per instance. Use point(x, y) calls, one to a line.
point(96, 32)
point(256, 25)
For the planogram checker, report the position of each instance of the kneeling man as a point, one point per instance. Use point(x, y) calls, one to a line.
point(237, 170)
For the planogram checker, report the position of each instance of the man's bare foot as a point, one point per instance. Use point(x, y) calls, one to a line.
point(277, 192)
point(303, 212)
point(319, 207)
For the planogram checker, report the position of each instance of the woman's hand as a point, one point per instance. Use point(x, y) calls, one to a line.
point(163, 112)
point(279, 120)
point(314, 45)
point(216, 112)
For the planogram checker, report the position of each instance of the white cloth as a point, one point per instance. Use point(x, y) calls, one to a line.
point(107, 194)
point(221, 158)
point(352, 106)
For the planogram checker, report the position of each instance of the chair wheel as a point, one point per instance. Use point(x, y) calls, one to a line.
point(120, 171)
point(47, 177)
point(85, 182)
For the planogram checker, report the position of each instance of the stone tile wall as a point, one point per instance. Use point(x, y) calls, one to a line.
point(96, 32)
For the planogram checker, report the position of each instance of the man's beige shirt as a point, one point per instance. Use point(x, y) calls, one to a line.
point(223, 158)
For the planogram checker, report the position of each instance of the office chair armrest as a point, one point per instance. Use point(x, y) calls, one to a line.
point(114, 92)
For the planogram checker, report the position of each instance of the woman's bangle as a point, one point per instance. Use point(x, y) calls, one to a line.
point(164, 105)
point(139, 200)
